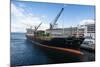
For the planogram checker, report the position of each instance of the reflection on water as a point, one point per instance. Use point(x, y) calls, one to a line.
point(24, 52)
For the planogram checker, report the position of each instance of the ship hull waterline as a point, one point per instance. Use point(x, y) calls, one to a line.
point(56, 49)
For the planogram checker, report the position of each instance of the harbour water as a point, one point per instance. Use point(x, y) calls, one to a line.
point(24, 53)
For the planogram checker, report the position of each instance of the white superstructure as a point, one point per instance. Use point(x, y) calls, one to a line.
point(89, 34)
point(30, 31)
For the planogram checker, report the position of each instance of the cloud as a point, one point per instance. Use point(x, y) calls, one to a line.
point(16, 11)
point(20, 20)
point(87, 21)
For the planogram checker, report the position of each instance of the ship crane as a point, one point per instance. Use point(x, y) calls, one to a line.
point(31, 26)
point(35, 30)
point(36, 27)
point(53, 24)
point(31, 30)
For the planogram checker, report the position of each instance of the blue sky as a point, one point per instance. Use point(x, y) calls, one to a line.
point(24, 14)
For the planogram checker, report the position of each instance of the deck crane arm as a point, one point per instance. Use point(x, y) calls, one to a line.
point(36, 28)
point(56, 18)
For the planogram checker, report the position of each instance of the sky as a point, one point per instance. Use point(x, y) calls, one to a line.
point(26, 14)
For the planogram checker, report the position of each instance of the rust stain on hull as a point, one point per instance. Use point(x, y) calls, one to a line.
point(72, 51)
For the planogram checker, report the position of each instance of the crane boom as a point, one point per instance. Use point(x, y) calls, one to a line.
point(56, 18)
point(38, 26)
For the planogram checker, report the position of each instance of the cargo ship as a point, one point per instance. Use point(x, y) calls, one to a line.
point(61, 43)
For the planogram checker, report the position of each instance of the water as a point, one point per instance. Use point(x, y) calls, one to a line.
point(24, 52)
